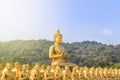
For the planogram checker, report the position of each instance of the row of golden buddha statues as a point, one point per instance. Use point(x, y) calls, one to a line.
point(60, 68)
point(42, 72)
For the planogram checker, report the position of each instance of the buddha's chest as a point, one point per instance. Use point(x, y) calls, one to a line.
point(58, 49)
point(49, 74)
point(9, 75)
point(24, 74)
point(37, 74)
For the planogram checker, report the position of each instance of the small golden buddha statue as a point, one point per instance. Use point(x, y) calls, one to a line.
point(91, 73)
point(16, 70)
point(28, 70)
point(58, 73)
point(74, 75)
point(27, 67)
point(24, 75)
point(85, 73)
point(80, 73)
point(53, 68)
point(66, 73)
point(42, 71)
point(105, 72)
point(35, 73)
point(48, 75)
point(116, 72)
point(57, 52)
point(101, 73)
point(96, 73)
point(112, 73)
point(109, 74)
point(77, 71)
point(8, 74)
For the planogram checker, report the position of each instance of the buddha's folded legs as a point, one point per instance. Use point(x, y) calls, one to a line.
point(63, 64)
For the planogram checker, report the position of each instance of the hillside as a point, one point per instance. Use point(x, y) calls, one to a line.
point(86, 53)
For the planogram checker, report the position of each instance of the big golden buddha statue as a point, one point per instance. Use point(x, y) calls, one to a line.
point(57, 52)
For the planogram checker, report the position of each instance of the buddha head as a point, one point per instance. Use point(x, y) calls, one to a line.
point(48, 68)
point(43, 67)
point(58, 37)
point(8, 66)
point(58, 68)
point(17, 64)
point(37, 67)
point(74, 69)
point(27, 66)
point(67, 68)
point(23, 67)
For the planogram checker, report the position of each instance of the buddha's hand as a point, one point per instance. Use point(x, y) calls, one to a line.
point(65, 55)
point(62, 53)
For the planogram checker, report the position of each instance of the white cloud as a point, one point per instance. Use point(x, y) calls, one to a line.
point(107, 32)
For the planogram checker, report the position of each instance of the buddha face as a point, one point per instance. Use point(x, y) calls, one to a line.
point(17, 64)
point(58, 39)
point(27, 66)
point(9, 67)
point(48, 68)
point(24, 67)
point(37, 68)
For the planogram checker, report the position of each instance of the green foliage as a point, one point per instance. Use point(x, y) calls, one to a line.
point(86, 53)
point(117, 65)
point(103, 64)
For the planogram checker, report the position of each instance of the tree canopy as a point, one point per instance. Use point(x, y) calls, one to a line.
point(86, 53)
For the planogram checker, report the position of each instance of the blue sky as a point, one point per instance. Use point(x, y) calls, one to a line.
point(78, 20)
